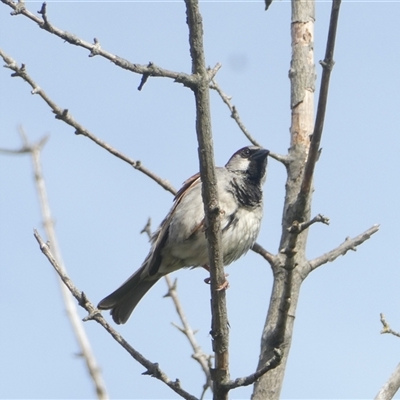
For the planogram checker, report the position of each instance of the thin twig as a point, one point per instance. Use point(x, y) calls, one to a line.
point(198, 354)
point(272, 363)
point(387, 328)
point(235, 115)
point(152, 369)
point(257, 248)
point(327, 66)
point(348, 244)
point(77, 327)
point(64, 115)
point(95, 48)
point(300, 227)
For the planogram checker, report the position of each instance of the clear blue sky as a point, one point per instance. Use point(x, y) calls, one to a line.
point(101, 204)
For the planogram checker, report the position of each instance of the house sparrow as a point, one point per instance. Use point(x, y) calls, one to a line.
point(180, 240)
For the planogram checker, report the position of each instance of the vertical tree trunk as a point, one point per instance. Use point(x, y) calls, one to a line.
point(287, 276)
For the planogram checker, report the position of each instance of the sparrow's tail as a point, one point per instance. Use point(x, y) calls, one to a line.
point(123, 301)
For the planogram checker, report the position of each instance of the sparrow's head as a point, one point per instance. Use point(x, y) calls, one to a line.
point(250, 161)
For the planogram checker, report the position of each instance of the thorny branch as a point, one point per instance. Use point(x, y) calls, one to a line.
point(64, 115)
point(152, 369)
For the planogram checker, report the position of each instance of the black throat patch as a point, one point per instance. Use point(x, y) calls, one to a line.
point(248, 193)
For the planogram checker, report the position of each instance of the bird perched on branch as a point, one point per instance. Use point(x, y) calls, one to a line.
point(180, 240)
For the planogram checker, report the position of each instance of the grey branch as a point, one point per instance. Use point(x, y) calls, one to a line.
point(152, 369)
point(198, 354)
point(257, 248)
point(64, 115)
point(390, 388)
point(348, 244)
point(219, 323)
point(77, 327)
point(235, 115)
point(95, 49)
point(327, 65)
point(386, 327)
point(272, 363)
point(297, 227)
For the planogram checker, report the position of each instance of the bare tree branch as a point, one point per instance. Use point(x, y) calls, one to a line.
point(35, 151)
point(387, 328)
point(219, 324)
point(289, 269)
point(95, 49)
point(198, 354)
point(327, 66)
point(348, 244)
point(249, 380)
point(153, 369)
point(64, 115)
point(298, 227)
point(257, 248)
point(390, 388)
point(235, 115)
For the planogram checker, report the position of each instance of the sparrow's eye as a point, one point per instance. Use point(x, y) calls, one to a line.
point(245, 153)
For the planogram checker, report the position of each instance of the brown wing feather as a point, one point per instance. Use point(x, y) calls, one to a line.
point(160, 237)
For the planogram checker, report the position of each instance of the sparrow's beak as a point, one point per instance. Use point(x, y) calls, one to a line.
point(260, 154)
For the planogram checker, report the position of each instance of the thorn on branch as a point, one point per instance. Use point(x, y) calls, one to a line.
point(63, 115)
point(19, 8)
point(83, 300)
point(95, 49)
point(353, 248)
point(327, 64)
point(180, 329)
point(177, 383)
point(153, 371)
point(145, 76)
point(267, 4)
point(213, 71)
point(43, 13)
point(171, 288)
point(92, 315)
point(19, 72)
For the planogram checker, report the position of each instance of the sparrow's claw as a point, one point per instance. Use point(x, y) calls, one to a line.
point(224, 286)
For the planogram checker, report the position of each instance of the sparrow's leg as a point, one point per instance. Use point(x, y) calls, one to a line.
point(224, 286)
